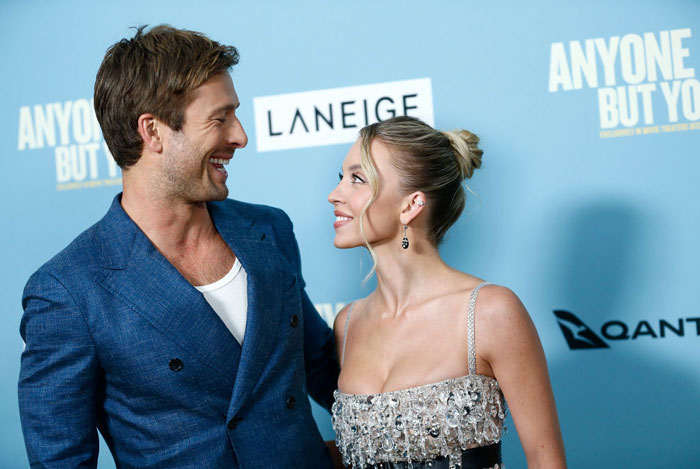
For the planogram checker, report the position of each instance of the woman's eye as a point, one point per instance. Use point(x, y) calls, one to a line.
point(354, 179)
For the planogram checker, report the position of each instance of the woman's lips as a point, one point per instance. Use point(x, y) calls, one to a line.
point(341, 219)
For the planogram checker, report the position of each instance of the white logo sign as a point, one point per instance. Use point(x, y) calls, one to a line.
point(71, 129)
point(640, 79)
point(331, 116)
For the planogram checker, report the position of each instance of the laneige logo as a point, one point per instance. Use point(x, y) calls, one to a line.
point(331, 116)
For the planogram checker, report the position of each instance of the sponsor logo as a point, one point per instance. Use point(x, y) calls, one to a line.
point(645, 82)
point(579, 336)
point(332, 116)
point(71, 130)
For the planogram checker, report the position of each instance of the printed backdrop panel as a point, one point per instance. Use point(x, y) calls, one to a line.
point(586, 204)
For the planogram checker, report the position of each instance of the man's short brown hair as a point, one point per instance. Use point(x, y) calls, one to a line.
point(153, 72)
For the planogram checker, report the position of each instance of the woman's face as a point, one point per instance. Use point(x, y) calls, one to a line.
point(382, 223)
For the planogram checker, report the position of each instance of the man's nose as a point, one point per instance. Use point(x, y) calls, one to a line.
point(237, 135)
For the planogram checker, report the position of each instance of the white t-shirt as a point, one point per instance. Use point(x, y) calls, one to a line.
point(229, 298)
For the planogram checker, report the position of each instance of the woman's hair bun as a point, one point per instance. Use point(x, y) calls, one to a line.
point(466, 148)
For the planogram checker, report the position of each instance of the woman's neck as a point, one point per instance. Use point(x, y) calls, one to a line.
point(406, 276)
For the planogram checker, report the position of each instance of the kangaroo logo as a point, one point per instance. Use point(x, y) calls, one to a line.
point(577, 334)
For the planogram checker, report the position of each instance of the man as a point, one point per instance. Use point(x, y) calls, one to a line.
point(178, 325)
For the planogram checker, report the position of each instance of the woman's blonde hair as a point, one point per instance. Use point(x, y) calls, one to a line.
point(427, 160)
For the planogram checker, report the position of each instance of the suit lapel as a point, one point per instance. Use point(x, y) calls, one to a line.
point(141, 277)
point(137, 274)
point(251, 241)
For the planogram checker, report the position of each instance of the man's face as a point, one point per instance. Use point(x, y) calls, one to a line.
point(194, 157)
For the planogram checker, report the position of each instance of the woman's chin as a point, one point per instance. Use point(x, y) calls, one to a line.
point(343, 244)
point(339, 245)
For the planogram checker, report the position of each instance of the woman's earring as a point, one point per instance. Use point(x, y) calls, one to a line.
point(404, 241)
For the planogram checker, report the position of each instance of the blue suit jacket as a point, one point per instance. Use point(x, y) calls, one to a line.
point(117, 340)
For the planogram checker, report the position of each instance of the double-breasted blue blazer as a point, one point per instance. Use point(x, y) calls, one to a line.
point(117, 340)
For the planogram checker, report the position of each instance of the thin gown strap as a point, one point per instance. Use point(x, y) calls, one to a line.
point(345, 332)
point(471, 347)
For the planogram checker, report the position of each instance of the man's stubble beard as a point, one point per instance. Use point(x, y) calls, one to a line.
point(182, 175)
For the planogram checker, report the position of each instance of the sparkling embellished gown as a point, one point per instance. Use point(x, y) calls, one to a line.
point(451, 424)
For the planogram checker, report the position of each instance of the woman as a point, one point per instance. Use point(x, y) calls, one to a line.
point(425, 366)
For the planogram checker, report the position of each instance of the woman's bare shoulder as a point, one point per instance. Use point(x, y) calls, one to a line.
point(339, 322)
point(502, 321)
point(499, 300)
point(341, 317)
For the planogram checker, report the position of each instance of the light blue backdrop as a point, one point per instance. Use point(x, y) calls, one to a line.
point(606, 228)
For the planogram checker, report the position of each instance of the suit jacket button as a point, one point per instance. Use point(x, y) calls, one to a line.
point(176, 364)
point(294, 321)
point(291, 402)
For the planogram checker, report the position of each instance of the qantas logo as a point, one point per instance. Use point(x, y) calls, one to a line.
point(579, 336)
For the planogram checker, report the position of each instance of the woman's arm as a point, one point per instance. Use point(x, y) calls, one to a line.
point(507, 341)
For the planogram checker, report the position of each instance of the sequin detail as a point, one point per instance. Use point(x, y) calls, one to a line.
point(419, 424)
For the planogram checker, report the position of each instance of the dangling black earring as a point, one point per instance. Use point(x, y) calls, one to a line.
point(404, 241)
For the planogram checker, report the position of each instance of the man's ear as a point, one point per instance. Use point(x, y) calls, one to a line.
point(150, 130)
point(413, 206)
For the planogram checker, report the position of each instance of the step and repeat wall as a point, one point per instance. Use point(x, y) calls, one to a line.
point(587, 204)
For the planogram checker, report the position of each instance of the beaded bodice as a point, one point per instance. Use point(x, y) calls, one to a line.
point(421, 423)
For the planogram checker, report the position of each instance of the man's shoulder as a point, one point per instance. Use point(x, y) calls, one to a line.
point(237, 208)
point(84, 253)
point(79, 254)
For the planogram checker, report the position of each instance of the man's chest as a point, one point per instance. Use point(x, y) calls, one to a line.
point(205, 264)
